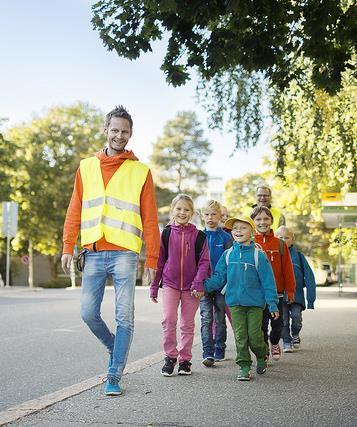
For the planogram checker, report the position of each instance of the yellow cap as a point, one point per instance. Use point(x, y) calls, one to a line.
point(243, 218)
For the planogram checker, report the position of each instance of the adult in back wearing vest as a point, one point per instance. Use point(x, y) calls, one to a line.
point(113, 206)
point(263, 198)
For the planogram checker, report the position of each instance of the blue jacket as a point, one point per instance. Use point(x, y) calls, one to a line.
point(246, 285)
point(218, 242)
point(303, 277)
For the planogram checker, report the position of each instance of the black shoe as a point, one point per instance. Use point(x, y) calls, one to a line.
point(185, 368)
point(168, 368)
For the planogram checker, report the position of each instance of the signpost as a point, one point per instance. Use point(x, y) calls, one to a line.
point(9, 230)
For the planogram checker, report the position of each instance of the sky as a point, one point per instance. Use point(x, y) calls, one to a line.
point(50, 55)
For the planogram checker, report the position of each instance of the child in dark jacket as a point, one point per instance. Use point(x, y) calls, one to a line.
point(212, 305)
point(247, 277)
point(279, 257)
point(304, 277)
point(182, 279)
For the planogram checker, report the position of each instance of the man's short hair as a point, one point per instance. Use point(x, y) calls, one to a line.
point(259, 209)
point(212, 204)
point(118, 111)
point(264, 187)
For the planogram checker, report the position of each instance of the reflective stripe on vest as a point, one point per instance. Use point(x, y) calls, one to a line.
point(119, 204)
point(113, 211)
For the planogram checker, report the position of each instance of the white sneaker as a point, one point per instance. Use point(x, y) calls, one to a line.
point(296, 342)
point(288, 348)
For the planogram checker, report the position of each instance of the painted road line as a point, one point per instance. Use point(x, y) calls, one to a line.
point(35, 405)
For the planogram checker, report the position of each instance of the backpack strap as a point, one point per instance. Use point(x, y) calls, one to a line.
point(256, 257)
point(165, 235)
point(200, 240)
point(257, 248)
point(228, 253)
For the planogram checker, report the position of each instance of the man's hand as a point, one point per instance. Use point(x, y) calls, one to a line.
point(66, 263)
point(149, 275)
point(154, 299)
point(275, 315)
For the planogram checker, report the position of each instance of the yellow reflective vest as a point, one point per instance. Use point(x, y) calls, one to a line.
point(279, 218)
point(113, 211)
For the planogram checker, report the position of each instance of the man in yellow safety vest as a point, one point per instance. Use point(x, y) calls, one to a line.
point(113, 206)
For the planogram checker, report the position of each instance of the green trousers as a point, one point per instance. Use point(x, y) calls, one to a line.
point(247, 328)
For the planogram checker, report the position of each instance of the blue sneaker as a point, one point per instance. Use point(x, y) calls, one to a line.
point(220, 355)
point(112, 387)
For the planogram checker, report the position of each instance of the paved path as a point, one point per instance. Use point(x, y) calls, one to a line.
point(315, 386)
point(45, 346)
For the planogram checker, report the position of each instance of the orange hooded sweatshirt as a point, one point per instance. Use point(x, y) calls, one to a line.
point(148, 211)
point(281, 264)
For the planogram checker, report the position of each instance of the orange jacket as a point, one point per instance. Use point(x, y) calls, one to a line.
point(148, 211)
point(281, 264)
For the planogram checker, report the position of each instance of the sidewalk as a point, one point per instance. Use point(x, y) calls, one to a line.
point(314, 386)
point(309, 387)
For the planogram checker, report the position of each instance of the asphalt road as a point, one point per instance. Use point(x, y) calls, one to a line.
point(315, 386)
point(45, 346)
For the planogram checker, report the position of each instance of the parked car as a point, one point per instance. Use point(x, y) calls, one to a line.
point(323, 271)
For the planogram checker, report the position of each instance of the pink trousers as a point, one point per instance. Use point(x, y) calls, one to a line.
point(171, 299)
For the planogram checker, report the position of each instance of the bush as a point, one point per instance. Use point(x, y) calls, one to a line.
point(60, 282)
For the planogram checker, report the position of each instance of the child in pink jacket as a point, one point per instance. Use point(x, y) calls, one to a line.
point(183, 265)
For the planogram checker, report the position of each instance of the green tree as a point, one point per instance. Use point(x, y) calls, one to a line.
point(220, 35)
point(236, 102)
point(316, 152)
point(316, 133)
point(8, 162)
point(50, 147)
point(239, 192)
point(163, 196)
point(179, 155)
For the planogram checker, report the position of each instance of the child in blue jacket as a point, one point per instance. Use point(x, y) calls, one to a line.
point(212, 305)
point(247, 277)
point(304, 277)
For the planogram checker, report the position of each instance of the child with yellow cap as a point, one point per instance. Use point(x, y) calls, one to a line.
point(246, 275)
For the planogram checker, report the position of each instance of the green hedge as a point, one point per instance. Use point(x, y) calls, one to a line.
point(60, 282)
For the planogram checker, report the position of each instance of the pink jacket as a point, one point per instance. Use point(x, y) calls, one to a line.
point(180, 271)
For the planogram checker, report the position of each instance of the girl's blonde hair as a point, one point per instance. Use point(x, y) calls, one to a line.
point(184, 197)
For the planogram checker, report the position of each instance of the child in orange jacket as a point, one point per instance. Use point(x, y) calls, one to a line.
point(279, 257)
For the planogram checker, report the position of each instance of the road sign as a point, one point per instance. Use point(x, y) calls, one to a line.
point(331, 197)
point(9, 219)
point(25, 259)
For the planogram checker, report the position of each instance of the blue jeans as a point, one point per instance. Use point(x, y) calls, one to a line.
point(213, 306)
point(293, 312)
point(121, 266)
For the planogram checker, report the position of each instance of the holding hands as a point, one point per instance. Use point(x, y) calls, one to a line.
point(197, 294)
